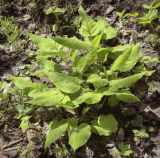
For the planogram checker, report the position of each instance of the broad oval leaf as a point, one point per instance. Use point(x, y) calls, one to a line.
point(95, 128)
point(79, 137)
point(89, 27)
point(56, 129)
point(48, 97)
point(73, 42)
point(108, 122)
point(89, 98)
point(110, 32)
point(65, 83)
point(21, 82)
point(127, 97)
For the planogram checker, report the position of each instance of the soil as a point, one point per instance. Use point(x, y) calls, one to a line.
point(29, 16)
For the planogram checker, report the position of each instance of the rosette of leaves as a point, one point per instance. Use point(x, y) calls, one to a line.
point(81, 78)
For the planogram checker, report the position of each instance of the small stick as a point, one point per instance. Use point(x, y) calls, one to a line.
point(14, 148)
point(12, 143)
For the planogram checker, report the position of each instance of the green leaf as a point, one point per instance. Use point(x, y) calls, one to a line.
point(51, 53)
point(79, 137)
point(97, 81)
point(125, 82)
point(147, 6)
point(73, 42)
point(95, 128)
point(110, 32)
point(120, 60)
point(127, 97)
point(65, 83)
point(89, 98)
point(24, 125)
point(125, 149)
point(108, 122)
point(21, 82)
point(127, 60)
point(48, 97)
point(107, 92)
point(134, 14)
point(156, 6)
point(56, 129)
point(45, 44)
point(132, 59)
point(25, 83)
point(82, 12)
point(106, 29)
point(116, 51)
point(72, 124)
point(103, 54)
point(47, 65)
point(148, 17)
point(102, 23)
point(54, 10)
point(48, 47)
point(89, 27)
point(3, 85)
point(73, 54)
point(96, 40)
point(115, 96)
point(120, 14)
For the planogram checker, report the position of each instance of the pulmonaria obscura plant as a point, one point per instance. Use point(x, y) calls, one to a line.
point(86, 76)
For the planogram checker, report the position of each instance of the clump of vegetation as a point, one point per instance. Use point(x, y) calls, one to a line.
point(11, 31)
point(140, 134)
point(151, 15)
point(82, 75)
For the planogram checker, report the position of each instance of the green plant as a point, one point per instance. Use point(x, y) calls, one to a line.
point(89, 76)
point(11, 31)
point(153, 38)
point(153, 87)
point(61, 152)
point(123, 15)
point(28, 150)
point(56, 11)
point(123, 150)
point(140, 134)
point(151, 15)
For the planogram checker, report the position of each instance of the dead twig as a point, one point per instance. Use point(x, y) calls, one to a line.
point(11, 144)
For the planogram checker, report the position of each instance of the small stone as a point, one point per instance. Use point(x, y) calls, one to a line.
point(109, 9)
point(26, 17)
point(31, 26)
